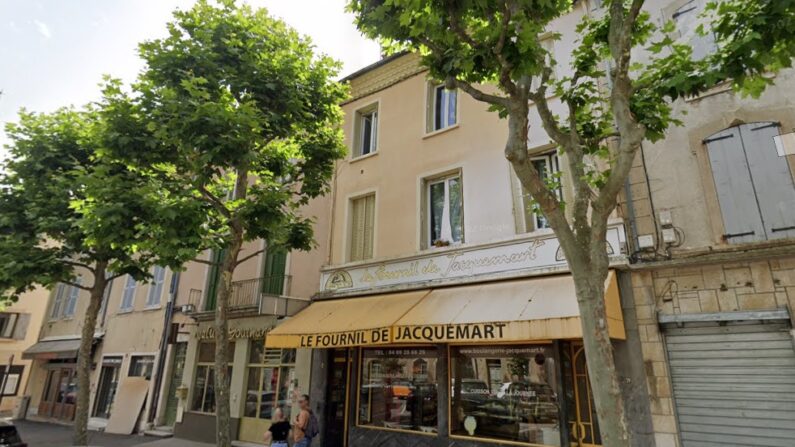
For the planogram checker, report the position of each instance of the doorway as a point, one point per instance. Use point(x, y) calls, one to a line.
point(583, 424)
point(180, 349)
point(336, 422)
point(60, 394)
point(108, 382)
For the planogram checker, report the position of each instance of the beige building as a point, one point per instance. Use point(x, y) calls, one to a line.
point(19, 330)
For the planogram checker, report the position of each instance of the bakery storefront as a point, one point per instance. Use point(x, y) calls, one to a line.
point(486, 363)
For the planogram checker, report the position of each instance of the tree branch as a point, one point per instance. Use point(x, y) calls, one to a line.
point(478, 94)
point(205, 262)
point(548, 120)
point(78, 264)
point(214, 201)
point(246, 258)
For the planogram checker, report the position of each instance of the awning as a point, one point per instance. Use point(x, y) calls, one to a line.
point(345, 322)
point(53, 349)
point(520, 310)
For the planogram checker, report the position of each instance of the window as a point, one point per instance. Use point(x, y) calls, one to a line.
point(528, 216)
point(366, 131)
point(270, 380)
point(71, 299)
point(445, 211)
point(362, 228)
point(203, 396)
point(398, 389)
point(506, 393)
point(687, 21)
point(8, 322)
point(754, 185)
point(128, 297)
point(156, 287)
point(58, 299)
point(141, 366)
point(442, 107)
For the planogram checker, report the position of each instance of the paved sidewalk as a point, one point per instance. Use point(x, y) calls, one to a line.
point(173, 442)
point(43, 434)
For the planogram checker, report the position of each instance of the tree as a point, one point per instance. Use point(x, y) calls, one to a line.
point(493, 51)
point(236, 111)
point(68, 213)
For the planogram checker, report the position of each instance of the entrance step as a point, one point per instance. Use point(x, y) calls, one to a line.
point(97, 424)
point(160, 432)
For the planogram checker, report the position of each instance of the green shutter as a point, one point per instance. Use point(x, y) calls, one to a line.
point(213, 279)
point(275, 268)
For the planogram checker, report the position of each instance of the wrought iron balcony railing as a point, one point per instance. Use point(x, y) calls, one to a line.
point(267, 295)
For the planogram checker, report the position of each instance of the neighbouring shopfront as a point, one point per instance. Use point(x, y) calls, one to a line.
point(479, 364)
point(261, 380)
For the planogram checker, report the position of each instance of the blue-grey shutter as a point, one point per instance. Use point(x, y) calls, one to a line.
point(772, 178)
point(736, 196)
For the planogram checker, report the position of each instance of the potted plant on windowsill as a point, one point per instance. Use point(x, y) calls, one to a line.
point(441, 243)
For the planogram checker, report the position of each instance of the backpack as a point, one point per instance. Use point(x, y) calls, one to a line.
point(312, 426)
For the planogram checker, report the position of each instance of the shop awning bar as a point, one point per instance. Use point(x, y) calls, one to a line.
point(509, 311)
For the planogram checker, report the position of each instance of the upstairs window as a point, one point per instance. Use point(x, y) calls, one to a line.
point(362, 228)
point(687, 19)
point(754, 184)
point(366, 131)
point(445, 210)
point(71, 299)
point(128, 296)
point(442, 108)
point(8, 322)
point(65, 300)
point(527, 214)
point(156, 287)
point(58, 299)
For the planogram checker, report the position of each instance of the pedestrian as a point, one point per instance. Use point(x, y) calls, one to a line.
point(279, 430)
point(306, 426)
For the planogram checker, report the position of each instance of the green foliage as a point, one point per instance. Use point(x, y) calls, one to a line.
point(63, 204)
point(234, 92)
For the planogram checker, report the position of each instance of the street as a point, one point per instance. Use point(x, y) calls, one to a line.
point(40, 434)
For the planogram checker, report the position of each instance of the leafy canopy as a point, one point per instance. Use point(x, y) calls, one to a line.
point(236, 110)
point(64, 205)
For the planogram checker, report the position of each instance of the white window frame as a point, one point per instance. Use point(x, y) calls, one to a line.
point(58, 301)
point(70, 302)
point(430, 125)
point(446, 229)
point(128, 294)
point(553, 166)
point(371, 112)
point(154, 297)
point(8, 331)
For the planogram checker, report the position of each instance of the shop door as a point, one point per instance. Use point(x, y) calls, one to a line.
point(108, 382)
point(337, 399)
point(60, 395)
point(270, 384)
point(583, 424)
point(733, 383)
point(180, 349)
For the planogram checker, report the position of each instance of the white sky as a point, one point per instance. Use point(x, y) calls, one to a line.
point(54, 52)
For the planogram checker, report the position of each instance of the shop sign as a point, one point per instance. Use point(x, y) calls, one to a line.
point(455, 266)
point(350, 338)
point(234, 333)
point(450, 333)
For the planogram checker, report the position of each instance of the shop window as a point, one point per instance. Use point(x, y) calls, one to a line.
point(156, 287)
point(362, 228)
point(11, 379)
point(398, 389)
point(203, 393)
point(505, 393)
point(141, 366)
point(366, 131)
point(444, 204)
point(270, 380)
point(528, 216)
point(442, 108)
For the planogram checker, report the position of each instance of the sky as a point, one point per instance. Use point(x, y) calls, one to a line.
point(53, 53)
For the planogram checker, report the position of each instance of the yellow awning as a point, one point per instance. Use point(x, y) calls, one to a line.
point(523, 310)
point(520, 310)
point(346, 322)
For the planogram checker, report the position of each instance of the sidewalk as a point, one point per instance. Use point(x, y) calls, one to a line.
point(174, 442)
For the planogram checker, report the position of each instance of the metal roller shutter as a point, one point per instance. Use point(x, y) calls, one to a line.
point(733, 383)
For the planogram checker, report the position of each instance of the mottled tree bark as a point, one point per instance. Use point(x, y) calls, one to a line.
point(97, 291)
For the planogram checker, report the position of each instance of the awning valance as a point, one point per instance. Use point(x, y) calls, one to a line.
point(521, 310)
point(346, 322)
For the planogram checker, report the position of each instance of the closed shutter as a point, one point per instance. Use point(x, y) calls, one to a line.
point(741, 218)
point(362, 228)
point(772, 179)
point(733, 383)
point(369, 226)
point(21, 328)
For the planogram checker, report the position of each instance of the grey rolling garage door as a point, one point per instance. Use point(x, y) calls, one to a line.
point(733, 383)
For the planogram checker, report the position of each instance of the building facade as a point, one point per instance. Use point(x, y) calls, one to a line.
point(266, 289)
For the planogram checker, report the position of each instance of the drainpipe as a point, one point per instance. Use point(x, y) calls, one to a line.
point(161, 358)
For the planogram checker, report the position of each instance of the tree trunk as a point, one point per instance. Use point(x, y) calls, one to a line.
point(222, 358)
point(80, 434)
point(608, 400)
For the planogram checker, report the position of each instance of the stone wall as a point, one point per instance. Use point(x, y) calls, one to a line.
point(727, 287)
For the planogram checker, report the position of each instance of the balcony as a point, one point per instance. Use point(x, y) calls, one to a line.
point(268, 295)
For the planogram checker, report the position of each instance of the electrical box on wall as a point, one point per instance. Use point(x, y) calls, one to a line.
point(645, 241)
point(669, 235)
point(665, 218)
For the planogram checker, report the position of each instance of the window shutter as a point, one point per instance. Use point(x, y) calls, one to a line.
point(357, 229)
point(772, 179)
point(736, 195)
point(21, 329)
point(369, 227)
point(56, 302)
